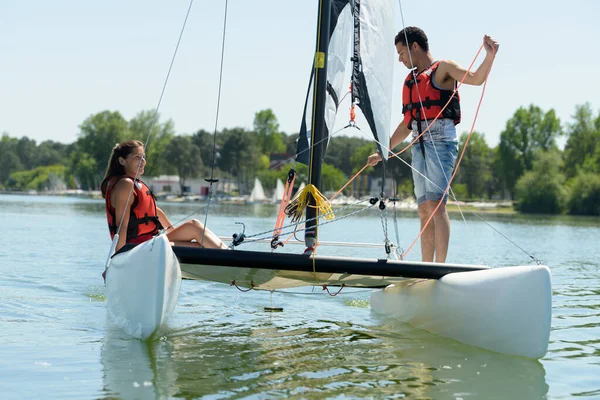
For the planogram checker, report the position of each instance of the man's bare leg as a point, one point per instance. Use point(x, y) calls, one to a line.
point(442, 232)
point(428, 236)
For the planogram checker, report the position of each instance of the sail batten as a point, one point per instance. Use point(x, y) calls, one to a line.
point(361, 40)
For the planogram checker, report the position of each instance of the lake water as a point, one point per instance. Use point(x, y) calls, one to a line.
point(55, 342)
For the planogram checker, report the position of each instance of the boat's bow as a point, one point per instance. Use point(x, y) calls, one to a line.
point(507, 310)
point(142, 287)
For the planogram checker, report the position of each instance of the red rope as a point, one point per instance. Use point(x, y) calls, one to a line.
point(243, 290)
point(459, 160)
point(416, 138)
point(287, 195)
point(336, 293)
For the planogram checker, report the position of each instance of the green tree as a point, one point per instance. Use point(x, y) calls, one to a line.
point(206, 143)
point(99, 134)
point(475, 169)
point(52, 153)
point(358, 159)
point(528, 131)
point(332, 178)
point(266, 128)
point(85, 170)
point(290, 143)
point(240, 156)
point(9, 159)
point(542, 190)
point(582, 150)
point(27, 152)
point(147, 123)
point(40, 178)
point(341, 149)
point(185, 157)
point(585, 194)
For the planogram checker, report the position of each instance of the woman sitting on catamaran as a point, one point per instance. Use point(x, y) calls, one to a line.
point(123, 191)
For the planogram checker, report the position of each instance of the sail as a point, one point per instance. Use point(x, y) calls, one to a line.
point(338, 58)
point(279, 192)
point(361, 40)
point(258, 193)
point(373, 69)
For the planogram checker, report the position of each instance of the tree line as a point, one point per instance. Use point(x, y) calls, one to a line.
point(526, 166)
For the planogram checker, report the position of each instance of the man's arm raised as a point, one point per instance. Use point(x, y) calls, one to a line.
point(449, 68)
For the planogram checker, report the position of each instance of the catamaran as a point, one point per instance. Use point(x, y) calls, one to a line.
point(505, 309)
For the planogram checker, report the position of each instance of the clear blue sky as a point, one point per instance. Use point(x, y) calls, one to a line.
point(63, 61)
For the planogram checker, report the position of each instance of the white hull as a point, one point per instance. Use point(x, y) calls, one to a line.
point(507, 310)
point(142, 287)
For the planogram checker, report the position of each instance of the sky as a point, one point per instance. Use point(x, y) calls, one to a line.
point(65, 60)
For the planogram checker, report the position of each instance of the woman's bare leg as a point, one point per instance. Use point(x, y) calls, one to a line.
point(193, 230)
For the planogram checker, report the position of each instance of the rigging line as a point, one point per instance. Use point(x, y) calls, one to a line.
point(469, 209)
point(291, 158)
point(504, 236)
point(212, 170)
point(414, 140)
point(443, 108)
point(459, 160)
point(402, 160)
point(303, 229)
point(137, 172)
point(247, 182)
point(453, 195)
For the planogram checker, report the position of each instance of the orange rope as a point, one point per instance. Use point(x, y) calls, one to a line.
point(347, 183)
point(426, 129)
point(457, 164)
point(443, 108)
point(287, 195)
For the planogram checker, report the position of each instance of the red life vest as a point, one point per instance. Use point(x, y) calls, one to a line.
point(143, 218)
point(432, 97)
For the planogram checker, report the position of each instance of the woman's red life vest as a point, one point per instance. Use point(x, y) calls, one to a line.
point(143, 218)
point(432, 97)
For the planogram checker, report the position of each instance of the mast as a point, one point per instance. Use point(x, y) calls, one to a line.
point(318, 117)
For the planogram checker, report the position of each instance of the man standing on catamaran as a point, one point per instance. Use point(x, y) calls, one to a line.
point(431, 112)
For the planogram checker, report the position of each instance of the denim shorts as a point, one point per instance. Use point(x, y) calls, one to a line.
point(437, 166)
point(441, 130)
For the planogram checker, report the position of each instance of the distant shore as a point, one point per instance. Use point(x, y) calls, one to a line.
point(501, 207)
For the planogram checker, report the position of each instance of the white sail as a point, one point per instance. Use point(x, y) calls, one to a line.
point(258, 193)
point(338, 59)
point(278, 193)
point(377, 53)
point(366, 27)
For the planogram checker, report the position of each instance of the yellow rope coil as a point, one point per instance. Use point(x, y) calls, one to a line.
point(296, 207)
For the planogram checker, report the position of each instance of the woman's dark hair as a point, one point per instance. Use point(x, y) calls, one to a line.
point(114, 167)
point(413, 34)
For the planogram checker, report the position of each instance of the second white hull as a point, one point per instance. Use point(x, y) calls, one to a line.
point(507, 310)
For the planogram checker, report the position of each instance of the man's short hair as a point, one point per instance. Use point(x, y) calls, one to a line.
point(414, 35)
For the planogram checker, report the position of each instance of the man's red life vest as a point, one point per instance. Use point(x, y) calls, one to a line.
point(432, 97)
point(143, 218)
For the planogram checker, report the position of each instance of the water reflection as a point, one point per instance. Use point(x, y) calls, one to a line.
point(325, 359)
